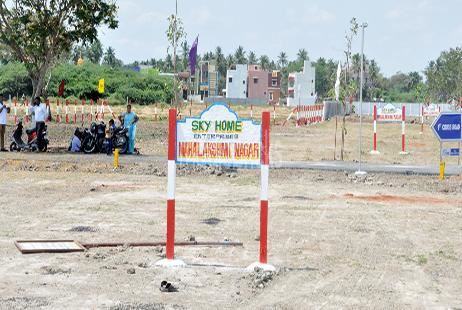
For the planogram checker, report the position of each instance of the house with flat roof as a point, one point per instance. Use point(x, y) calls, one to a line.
point(302, 87)
point(236, 82)
point(258, 83)
point(274, 87)
point(208, 79)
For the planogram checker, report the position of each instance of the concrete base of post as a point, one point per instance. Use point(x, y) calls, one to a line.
point(171, 263)
point(374, 153)
point(264, 267)
point(403, 153)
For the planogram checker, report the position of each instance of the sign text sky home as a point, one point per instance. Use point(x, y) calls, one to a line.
point(218, 137)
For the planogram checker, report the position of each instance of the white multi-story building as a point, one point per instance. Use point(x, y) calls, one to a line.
point(236, 82)
point(302, 87)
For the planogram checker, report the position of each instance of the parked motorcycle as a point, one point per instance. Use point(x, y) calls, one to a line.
point(93, 142)
point(120, 139)
point(32, 142)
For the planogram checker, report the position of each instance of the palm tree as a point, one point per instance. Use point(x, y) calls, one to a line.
point(252, 59)
point(282, 60)
point(110, 58)
point(239, 55)
point(264, 62)
point(229, 60)
point(302, 55)
point(168, 64)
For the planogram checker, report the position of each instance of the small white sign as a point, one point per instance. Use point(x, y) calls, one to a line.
point(431, 111)
point(218, 137)
point(389, 113)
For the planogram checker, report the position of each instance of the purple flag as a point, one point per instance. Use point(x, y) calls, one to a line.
point(193, 56)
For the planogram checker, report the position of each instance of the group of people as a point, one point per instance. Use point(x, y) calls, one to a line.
point(127, 120)
point(41, 114)
point(38, 109)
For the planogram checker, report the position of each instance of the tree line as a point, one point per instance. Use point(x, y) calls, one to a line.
point(37, 37)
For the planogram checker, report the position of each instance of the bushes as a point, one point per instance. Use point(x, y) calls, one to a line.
point(120, 83)
point(82, 82)
point(14, 80)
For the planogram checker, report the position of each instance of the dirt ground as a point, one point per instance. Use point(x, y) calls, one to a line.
point(337, 241)
point(312, 143)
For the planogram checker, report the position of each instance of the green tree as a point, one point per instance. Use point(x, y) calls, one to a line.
point(282, 60)
point(252, 59)
point(222, 67)
point(444, 75)
point(38, 32)
point(326, 73)
point(93, 53)
point(264, 62)
point(239, 55)
point(230, 60)
point(302, 55)
point(175, 34)
point(110, 58)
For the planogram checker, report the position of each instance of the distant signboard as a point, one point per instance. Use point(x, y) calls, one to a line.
point(219, 137)
point(431, 111)
point(454, 152)
point(389, 113)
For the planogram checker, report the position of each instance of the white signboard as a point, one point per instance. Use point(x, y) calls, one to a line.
point(389, 113)
point(431, 110)
point(218, 137)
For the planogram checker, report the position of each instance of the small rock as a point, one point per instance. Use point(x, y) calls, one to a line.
point(131, 271)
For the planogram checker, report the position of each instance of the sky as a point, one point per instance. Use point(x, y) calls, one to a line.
point(402, 35)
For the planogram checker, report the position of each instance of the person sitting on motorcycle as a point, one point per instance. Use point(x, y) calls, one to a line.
point(129, 120)
point(41, 114)
point(108, 137)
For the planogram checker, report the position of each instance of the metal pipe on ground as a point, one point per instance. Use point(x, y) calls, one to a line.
point(153, 244)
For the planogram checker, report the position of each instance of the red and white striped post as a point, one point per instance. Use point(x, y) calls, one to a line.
point(274, 115)
point(251, 111)
point(403, 131)
point(265, 161)
point(67, 111)
point(170, 260)
point(83, 111)
point(58, 120)
point(91, 110)
point(265, 139)
point(374, 151)
point(421, 119)
point(75, 111)
point(26, 107)
point(15, 111)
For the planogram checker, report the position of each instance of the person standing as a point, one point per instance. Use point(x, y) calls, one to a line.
point(3, 117)
point(40, 111)
point(129, 120)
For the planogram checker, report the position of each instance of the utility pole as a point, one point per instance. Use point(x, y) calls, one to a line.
point(360, 172)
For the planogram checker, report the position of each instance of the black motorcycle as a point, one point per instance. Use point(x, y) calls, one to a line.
point(120, 139)
point(94, 140)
